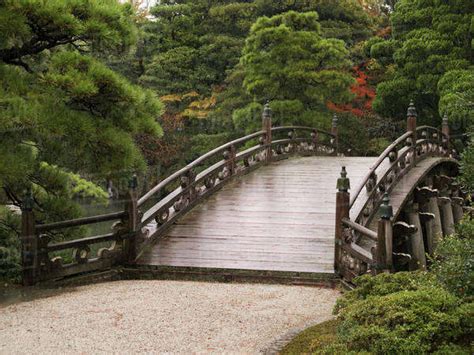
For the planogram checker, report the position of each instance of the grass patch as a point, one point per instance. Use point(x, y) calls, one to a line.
point(313, 339)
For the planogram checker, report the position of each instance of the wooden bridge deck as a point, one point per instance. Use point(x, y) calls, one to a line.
point(278, 218)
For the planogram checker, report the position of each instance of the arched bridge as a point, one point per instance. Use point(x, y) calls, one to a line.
point(268, 202)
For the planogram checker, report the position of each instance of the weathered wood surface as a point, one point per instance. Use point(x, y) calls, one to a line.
point(278, 218)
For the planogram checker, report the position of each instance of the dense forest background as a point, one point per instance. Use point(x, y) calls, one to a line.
point(92, 91)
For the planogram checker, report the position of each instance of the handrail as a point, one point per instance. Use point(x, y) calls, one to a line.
point(79, 221)
point(377, 163)
point(360, 228)
point(195, 163)
point(303, 128)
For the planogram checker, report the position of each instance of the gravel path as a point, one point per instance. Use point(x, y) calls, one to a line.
point(161, 316)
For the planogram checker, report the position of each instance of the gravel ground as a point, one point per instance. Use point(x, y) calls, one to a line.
point(126, 317)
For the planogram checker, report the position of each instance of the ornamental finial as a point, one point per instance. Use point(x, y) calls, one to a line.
point(28, 200)
point(343, 183)
point(445, 119)
point(267, 111)
point(411, 112)
point(133, 182)
point(386, 210)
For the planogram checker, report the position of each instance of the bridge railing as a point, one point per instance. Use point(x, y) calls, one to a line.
point(145, 219)
point(356, 211)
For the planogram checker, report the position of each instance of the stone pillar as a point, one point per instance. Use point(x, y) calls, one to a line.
point(342, 211)
point(267, 128)
point(417, 245)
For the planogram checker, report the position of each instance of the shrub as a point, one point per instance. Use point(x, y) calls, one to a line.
point(453, 261)
point(403, 313)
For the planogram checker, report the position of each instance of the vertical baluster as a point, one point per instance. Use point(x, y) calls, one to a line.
point(445, 133)
point(267, 128)
point(342, 211)
point(29, 241)
point(384, 249)
point(335, 133)
point(411, 127)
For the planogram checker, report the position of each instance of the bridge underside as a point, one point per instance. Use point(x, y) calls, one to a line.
point(278, 218)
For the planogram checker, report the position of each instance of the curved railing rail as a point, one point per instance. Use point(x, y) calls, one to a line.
point(395, 162)
point(238, 159)
point(133, 230)
point(359, 248)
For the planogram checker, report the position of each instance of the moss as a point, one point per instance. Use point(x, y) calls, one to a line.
point(313, 339)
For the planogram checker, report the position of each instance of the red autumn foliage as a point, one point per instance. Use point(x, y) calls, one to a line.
point(165, 150)
point(364, 93)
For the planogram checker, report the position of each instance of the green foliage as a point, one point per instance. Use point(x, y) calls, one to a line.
point(407, 313)
point(67, 121)
point(456, 90)
point(467, 168)
point(453, 264)
point(430, 39)
point(9, 245)
point(286, 58)
point(205, 39)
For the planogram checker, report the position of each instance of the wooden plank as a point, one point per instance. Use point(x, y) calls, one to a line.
point(277, 218)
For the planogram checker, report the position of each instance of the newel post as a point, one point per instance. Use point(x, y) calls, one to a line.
point(267, 128)
point(334, 132)
point(384, 248)
point(342, 211)
point(445, 131)
point(411, 127)
point(29, 241)
point(132, 222)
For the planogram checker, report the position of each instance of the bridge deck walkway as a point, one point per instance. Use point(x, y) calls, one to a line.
point(277, 218)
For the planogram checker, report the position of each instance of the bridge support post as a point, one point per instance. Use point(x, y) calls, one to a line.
point(29, 241)
point(417, 245)
point(334, 131)
point(342, 211)
point(429, 216)
point(384, 249)
point(132, 222)
point(411, 127)
point(458, 212)
point(267, 128)
point(447, 215)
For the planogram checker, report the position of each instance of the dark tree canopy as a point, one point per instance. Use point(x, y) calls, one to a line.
point(430, 39)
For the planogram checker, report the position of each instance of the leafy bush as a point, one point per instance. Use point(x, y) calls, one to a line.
point(9, 246)
point(453, 262)
point(403, 313)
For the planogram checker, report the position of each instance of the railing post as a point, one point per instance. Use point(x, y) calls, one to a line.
point(334, 131)
point(267, 128)
point(411, 127)
point(29, 241)
point(384, 248)
point(342, 211)
point(445, 132)
point(131, 210)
